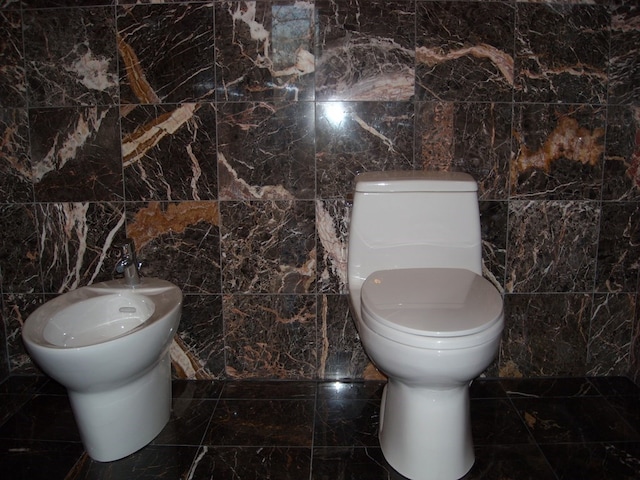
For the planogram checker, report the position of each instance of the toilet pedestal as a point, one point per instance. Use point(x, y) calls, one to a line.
point(121, 420)
point(425, 434)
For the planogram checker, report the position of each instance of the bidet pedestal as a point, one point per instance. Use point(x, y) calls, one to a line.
point(425, 434)
point(118, 421)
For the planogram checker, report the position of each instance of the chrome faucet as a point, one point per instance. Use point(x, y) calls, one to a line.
point(128, 263)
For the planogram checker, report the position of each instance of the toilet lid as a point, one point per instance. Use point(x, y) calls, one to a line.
point(440, 302)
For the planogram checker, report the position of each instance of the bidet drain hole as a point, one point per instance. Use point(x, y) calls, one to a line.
point(127, 309)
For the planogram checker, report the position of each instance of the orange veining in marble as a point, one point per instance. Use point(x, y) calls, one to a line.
point(502, 60)
point(372, 373)
point(9, 142)
point(147, 136)
point(185, 363)
point(137, 79)
point(568, 140)
point(153, 221)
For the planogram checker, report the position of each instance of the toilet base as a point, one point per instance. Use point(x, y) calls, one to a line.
point(117, 422)
point(425, 434)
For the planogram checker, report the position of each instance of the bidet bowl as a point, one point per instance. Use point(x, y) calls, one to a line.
point(108, 344)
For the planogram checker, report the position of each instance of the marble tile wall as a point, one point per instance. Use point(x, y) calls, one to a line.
point(223, 136)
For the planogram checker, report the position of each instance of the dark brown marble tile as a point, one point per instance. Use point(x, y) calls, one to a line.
point(628, 406)
point(150, 463)
point(344, 391)
point(496, 422)
point(166, 53)
point(482, 148)
point(70, 57)
point(13, 397)
point(179, 242)
point(634, 367)
point(16, 310)
point(493, 370)
point(544, 387)
point(353, 137)
point(198, 350)
point(346, 422)
point(470, 137)
point(624, 68)
point(332, 227)
point(574, 420)
point(522, 462)
point(13, 86)
point(19, 249)
point(545, 335)
point(620, 461)
point(257, 423)
point(76, 154)
point(268, 247)
point(435, 134)
point(340, 355)
point(270, 336)
point(365, 50)
point(137, 2)
point(493, 224)
point(551, 246)
point(64, 3)
point(266, 151)
point(44, 417)
point(486, 388)
point(16, 175)
point(37, 460)
point(188, 421)
point(621, 179)
point(283, 463)
point(610, 334)
point(76, 241)
point(268, 390)
point(4, 362)
point(189, 389)
point(561, 53)
point(618, 248)
point(558, 152)
point(464, 51)
point(352, 462)
point(617, 386)
point(264, 50)
point(558, 180)
point(51, 387)
point(169, 151)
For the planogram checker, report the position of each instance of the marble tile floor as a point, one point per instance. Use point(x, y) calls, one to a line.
point(572, 428)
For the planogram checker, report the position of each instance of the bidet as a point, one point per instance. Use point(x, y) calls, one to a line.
point(108, 344)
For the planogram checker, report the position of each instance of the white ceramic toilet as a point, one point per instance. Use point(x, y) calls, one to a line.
point(108, 344)
point(425, 315)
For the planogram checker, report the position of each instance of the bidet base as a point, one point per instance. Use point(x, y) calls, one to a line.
point(425, 434)
point(118, 422)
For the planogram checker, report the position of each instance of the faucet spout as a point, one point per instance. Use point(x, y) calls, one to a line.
point(128, 263)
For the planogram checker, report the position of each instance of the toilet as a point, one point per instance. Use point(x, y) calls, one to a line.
point(425, 315)
point(108, 344)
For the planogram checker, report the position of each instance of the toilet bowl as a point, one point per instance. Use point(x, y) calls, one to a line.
point(108, 344)
point(425, 315)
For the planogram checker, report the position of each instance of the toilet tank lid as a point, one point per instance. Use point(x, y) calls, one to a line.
point(415, 181)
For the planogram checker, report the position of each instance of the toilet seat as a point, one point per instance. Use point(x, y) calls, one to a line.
point(431, 303)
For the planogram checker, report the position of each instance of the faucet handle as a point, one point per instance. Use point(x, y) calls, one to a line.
point(126, 247)
point(128, 263)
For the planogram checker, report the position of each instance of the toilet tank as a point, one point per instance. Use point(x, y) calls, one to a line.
point(413, 219)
